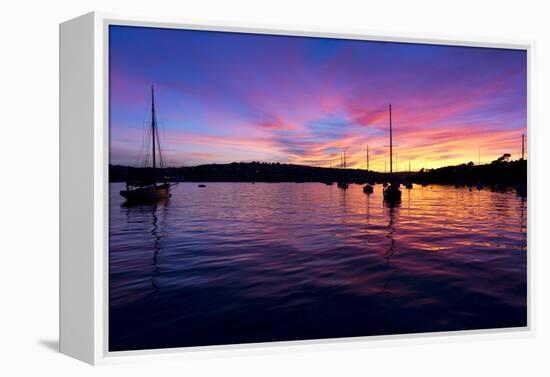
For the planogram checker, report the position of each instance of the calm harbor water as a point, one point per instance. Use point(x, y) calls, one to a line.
point(241, 263)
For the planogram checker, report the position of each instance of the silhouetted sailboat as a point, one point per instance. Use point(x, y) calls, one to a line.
point(368, 189)
point(343, 185)
point(148, 187)
point(409, 184)
point(392, 192)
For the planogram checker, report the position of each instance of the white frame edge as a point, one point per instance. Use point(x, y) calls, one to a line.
point(76, 181)
point(84, 192)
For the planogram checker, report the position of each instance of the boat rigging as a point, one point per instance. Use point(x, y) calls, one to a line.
point(392, 193)
point(148, 186)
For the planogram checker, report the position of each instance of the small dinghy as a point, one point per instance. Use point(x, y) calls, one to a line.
point(368, 189)
point(343, 185)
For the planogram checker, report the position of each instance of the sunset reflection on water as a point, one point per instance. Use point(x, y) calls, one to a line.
point(239, 263)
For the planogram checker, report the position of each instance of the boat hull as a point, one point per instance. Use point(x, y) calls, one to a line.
point(147, 193)
point(392, 196)
point(392, 193)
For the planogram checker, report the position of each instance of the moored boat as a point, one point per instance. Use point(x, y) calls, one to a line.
point(147, 186)
point(144, 193)
point(343, 185)
point(368, 189)
point(392, 193)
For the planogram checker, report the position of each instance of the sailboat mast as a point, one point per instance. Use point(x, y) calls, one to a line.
point(391, 145)
point(153, 127)
point(368, 157)
point(396, 166)
point(345, 160)
point(522, 146)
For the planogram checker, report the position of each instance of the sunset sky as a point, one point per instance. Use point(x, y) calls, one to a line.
point(225, 97)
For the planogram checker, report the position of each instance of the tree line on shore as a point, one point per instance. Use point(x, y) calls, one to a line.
point(501, 171)
point(498, 172)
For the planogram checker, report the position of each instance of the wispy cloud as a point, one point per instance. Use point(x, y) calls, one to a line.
point(226, 97)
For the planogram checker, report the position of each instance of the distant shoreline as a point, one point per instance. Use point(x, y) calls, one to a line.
point(512, 173)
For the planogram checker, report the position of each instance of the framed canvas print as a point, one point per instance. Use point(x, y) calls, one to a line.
point(223, 186)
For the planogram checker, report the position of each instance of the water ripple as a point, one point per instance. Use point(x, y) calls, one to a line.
point(235, 262)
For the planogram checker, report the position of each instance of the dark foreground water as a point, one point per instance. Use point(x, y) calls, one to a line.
point(241, 263)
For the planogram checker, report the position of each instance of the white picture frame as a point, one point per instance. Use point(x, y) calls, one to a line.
point(84, 190)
